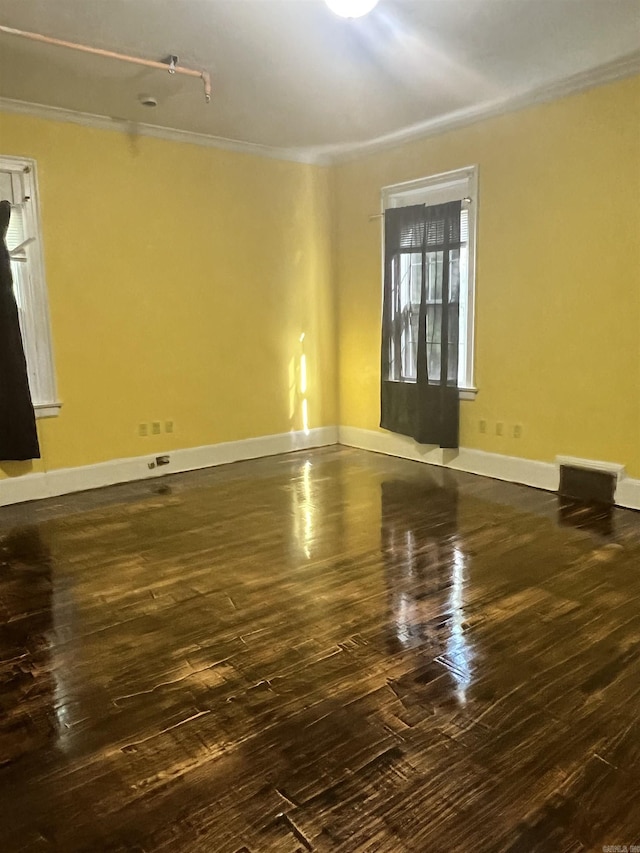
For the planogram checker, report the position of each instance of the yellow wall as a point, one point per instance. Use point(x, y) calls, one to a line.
point(180, 280)
point(558, 275)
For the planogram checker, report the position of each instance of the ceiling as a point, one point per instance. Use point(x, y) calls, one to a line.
point(289, 74)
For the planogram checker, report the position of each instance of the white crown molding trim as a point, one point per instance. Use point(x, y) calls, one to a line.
point(528, 472)
point(100, 122)
point(63, 481)
point(625, 66)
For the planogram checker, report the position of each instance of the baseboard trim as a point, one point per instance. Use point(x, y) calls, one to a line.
point(528, 472)
point(628, 493)
point(62, 481)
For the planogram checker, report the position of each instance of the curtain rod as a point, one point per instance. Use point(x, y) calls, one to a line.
point(171, 65)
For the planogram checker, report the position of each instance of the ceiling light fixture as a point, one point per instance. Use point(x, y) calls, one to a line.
point(351, 8)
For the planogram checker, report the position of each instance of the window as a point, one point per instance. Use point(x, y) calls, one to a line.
point(18, 185)
point(460, 185)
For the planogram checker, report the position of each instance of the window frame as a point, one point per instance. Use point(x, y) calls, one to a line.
point(47, 403)
point(443, 187)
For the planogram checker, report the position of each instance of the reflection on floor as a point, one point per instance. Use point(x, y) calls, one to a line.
point(329, 650)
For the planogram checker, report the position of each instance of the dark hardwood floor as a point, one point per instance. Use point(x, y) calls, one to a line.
point(330, 650)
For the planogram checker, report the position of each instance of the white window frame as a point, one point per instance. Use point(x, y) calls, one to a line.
point(35, 327)
point(457, 185)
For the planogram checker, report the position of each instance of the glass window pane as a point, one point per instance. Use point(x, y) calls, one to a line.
point(416, 279)
point(463, 292)
point(452, 365)
point(434, 323)
point(434, 276)
point(406, 287)
point(405, 281)
point(433, 362)
point(454, 275)
point(24, 300)
point(407, 292)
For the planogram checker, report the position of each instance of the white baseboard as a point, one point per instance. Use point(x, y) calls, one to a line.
point(541, 475)
point(63, 481)
point(628, 493)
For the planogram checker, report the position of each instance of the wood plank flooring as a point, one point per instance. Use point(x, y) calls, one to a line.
point(325, 651)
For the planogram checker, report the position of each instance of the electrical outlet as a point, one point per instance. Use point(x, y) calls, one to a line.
point(156, 429)
point(482, 426)
point(143, 429)
point(168, 426)
point(517, 431)
point(499, 428)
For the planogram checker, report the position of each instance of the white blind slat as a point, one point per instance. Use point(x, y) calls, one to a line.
point(11, 189)
point(464, 226)
point(16, 231)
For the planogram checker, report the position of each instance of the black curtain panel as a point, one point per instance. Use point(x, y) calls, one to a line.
point(18, 436)
point(420, 320)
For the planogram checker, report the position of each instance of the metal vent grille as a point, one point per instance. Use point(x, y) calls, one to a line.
point(585, 484)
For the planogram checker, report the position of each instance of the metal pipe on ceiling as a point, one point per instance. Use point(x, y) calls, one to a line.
point(172, 67)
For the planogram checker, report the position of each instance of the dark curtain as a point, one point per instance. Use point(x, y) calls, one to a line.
point(419, 389)
point(18, 436)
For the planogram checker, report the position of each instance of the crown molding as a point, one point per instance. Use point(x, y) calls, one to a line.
point(296, 155)
point(625, 66)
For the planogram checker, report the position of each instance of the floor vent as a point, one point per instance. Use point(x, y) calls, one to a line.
point(587, 484)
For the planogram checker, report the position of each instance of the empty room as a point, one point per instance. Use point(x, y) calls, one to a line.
point(319, 426)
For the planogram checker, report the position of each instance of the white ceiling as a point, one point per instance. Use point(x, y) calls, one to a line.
point(290, 74)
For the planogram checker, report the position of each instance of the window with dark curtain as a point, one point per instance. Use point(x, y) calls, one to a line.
point(420, 323)
point(18, 435)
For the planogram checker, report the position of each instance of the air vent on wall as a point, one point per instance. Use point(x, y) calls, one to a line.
point(586, 484)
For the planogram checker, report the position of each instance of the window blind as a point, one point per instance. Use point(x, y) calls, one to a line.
point(16, 231)
point(11, 190)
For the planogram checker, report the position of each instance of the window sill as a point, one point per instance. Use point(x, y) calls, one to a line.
point(468, 393)
point(47, 410)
